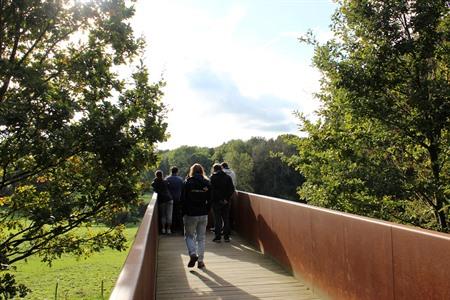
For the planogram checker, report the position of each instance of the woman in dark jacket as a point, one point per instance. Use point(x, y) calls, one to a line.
point(165, 202)
point(196, 204)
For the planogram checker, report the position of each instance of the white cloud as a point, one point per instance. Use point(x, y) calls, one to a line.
point(183, 39)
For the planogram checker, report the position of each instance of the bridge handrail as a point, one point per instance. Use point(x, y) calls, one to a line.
point(339, 255)
point(138, 276)
point(344, 256)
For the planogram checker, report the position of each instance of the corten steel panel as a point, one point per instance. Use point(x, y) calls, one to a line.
point(242, 220)
point(299, 246)
point(328, 247)
point(267, 240)
point(248, 222)
point(234, 211)
point(146, 288)
point(345, 256)
point(368, 260)
point(254, 226)
point(281, 243)
point(137, 278)
point(421, 264)
point(149, 280)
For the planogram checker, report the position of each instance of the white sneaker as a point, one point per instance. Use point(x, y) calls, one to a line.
point(169, 231)
point(163, 231)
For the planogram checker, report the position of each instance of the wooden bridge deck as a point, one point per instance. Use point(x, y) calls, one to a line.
point(233, 271)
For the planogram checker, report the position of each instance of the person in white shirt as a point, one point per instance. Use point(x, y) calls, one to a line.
point(226, 169)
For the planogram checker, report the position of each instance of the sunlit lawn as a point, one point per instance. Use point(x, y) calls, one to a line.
point(147, 197)
point(77, 279)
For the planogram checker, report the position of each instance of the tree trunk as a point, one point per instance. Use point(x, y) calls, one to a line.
point(440, 199)
point(442, 218)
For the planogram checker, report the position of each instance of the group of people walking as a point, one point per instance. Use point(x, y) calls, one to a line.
point(188, 202)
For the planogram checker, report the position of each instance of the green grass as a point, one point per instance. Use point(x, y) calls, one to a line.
point(76, 278)
point(147, 197)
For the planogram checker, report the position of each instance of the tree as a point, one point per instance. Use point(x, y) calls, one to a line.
point(242, 165)
point(381, 146)
point(185, 156)
point(237, 154)
point(272, 176)
point(257, 162)
point(74, 135)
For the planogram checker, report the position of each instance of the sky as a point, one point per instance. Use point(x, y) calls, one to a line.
point(234, 69)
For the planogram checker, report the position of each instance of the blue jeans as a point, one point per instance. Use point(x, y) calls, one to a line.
point(194, 234)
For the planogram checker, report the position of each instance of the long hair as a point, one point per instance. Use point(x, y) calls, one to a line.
point(197, 169)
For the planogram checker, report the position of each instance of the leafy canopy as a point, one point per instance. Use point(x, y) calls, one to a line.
point(381, 146)
point(78, 122)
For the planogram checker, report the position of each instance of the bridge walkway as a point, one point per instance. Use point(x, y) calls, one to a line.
point(233, 271)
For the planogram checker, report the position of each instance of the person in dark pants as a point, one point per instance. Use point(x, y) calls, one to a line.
point(165, 202)
point(226, 169)
point(175, 183)
point(222, 189)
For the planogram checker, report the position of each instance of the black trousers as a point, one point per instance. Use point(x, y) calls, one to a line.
point(177, 218)
point(221, 213)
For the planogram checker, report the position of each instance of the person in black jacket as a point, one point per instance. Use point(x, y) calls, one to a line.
point(165, 202)
point(196, 199)
point(222, 189)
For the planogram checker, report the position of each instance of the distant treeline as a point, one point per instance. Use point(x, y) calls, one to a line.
point(257, 163)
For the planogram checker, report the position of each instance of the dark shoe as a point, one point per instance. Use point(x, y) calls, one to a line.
point(216, 239)
point(226, 239)
point(192, 261)
point(200, 265)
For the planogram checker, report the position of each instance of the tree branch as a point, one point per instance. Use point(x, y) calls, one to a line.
point(425, 199)
point(40, 37)
point(12, 236)
point(1, 28)
point(78, 219)
point(397, 125)
point(12, 56)
point(49, 235)
point(40, 247)
point(36, 170)
point(52, 46)
point(404, 23)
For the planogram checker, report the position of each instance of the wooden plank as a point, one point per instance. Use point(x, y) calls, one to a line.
point(233, 271)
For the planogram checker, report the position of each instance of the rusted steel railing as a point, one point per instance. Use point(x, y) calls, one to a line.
point(138, 276)
point(343, 256)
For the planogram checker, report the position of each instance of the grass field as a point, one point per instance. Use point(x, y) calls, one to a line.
point(77, 279)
